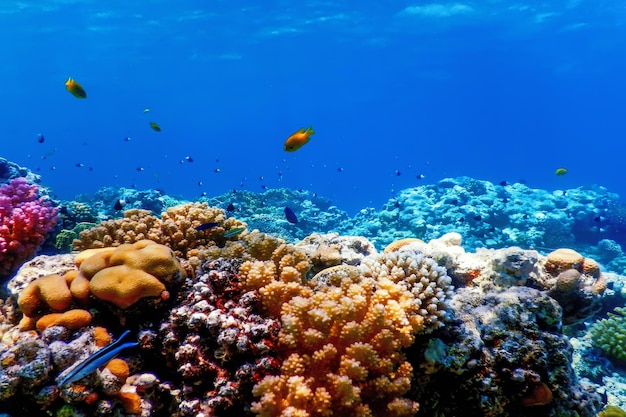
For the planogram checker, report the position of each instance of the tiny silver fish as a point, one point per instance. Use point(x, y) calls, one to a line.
point(96, 360)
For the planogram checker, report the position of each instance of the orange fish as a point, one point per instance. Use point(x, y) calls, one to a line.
point(75, 89)
point(298, 139)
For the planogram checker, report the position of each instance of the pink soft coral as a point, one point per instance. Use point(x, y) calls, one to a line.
point(25, 220)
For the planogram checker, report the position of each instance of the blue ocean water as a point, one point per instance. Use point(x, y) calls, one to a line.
point(494, 90)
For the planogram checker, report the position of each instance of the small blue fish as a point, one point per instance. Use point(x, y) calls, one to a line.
point(207, 226)
point(290, 216)
point(96, 360)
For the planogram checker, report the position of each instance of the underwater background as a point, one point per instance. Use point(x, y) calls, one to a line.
point(230, 208)
point(493, 90)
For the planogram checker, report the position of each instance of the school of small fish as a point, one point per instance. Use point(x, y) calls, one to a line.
point(292, 144)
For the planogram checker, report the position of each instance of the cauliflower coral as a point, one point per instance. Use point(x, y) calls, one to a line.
point(25, 221)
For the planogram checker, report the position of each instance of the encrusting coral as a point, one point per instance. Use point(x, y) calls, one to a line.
point(72, 319)
point(342, 335)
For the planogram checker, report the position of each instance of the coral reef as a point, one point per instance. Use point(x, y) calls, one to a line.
point(331, 249)
point(218, 342)
point(341, 336)
point(246, 323)
point(26, 218)
point(10, 170)
point(176, 229)
point(494, 216)
point(506, 356)
point(103, 201)
point(608, 335)
point(265, 212)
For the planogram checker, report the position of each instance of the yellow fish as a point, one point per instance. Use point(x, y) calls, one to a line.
point(298, 139)
point(155, 127)
point(75, 89)
point(560, 172)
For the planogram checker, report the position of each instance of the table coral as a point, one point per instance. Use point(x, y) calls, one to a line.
point(341, 337)
point(26, 219)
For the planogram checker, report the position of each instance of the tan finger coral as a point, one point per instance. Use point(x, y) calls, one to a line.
point(176, 228)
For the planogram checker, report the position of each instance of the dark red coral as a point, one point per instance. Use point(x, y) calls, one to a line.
point(218, 342)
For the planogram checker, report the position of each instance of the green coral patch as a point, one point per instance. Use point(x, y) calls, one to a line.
point(609, 335)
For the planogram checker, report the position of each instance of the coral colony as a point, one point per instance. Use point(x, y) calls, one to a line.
point(25, 221)
point(390, 313)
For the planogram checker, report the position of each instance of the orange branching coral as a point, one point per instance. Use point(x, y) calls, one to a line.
point(342, 333)
point(279, 279)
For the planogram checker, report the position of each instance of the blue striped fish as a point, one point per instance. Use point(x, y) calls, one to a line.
point(96, 360)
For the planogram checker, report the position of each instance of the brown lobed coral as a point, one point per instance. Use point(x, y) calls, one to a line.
point(176, 228)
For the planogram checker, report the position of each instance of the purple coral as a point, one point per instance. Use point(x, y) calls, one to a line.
point(218, 342)
point(25, 221)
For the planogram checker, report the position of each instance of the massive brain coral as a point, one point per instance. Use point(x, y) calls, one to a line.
point(121, 276)
point(128, 273)
point(342, 333)
point(25, 221)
